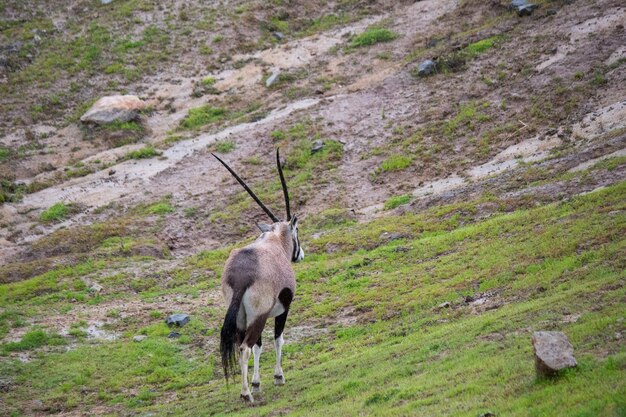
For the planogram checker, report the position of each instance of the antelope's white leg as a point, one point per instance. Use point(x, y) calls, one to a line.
point(256, 377)
point(279, 378)
point(245, 390)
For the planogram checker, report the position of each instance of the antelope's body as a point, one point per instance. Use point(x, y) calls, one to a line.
point(258, 283)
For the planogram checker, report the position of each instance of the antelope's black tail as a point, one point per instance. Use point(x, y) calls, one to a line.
point(229, 336)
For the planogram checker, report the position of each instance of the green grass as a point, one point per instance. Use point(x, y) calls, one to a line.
point(32, 340)
point(4, 153)
point(143, 153)
point(373, 36)
point(202, 116)
point(117, 126)
point(159, 208)
point(208, 81)
point(396, 201)
point(56, 212)
point(395, 163)
point(224, 146)
point(482, 46)
point(534, 266)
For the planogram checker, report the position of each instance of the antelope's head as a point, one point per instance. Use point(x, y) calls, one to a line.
point(292, 221)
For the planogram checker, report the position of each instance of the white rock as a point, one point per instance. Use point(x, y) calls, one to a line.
point(114, 109)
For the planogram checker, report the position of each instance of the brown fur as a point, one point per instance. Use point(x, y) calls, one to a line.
point(261, 270)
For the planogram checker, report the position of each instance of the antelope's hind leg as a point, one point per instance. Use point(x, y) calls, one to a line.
point(253, 333)
point(285, 298)
point(257, 349)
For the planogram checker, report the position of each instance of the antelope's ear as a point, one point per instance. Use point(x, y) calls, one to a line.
point(293, 223)
point(263, 227)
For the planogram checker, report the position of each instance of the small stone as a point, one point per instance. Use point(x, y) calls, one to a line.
point(426, 68)
point(139, 338)
point(278, 35)
point(445, 304)
point(388, 237)
point(111, 172)
point(106, 1)
point(553, 352)
point(173, 335)
point(272, 79)
point(487, 414)
point(114, 109)
point(317, 146)
point(95, 288)
point(177, 320)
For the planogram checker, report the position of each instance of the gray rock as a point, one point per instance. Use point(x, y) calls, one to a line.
point(553, 352)
point(139, 338)
point(106, 1)
point(173, 335)
point(114, 109)
point(272, 79)
point(426, 68)
point(278, 35)
point(15, 48)
point(523, 7)
point(177, 320)
point(445, 304)
point(95, 288)
point(317, 146)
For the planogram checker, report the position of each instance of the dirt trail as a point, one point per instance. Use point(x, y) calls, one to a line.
point(133, 178)
point(357, 114)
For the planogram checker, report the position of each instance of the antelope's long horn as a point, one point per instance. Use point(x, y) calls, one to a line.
point(284, 184)
point(243, 184)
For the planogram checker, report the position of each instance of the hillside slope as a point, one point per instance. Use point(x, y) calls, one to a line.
point(445, 218)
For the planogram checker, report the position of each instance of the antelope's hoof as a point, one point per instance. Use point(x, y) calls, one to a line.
point(279, 380)
point(256, 387)
point(247, 398)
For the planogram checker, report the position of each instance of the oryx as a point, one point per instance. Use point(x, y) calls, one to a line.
point(258, 283)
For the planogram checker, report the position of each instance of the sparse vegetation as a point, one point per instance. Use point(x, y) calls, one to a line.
point(396, 201)
point(56, 212)
point(373, 36)
point(143, 153)
point(202, 116)
point(224, 146)
point(159, 208)
point(395, 163)
point(32, 340)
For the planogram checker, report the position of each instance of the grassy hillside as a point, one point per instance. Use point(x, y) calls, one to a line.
point(368, 334)
point(445, 218)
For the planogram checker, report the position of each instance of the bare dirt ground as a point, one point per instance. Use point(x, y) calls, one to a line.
point(556, 76)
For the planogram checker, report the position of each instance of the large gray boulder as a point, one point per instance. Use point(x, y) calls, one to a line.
point(553, 352)
point(112, 109)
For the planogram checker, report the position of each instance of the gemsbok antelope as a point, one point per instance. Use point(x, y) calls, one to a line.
point(258, 283)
